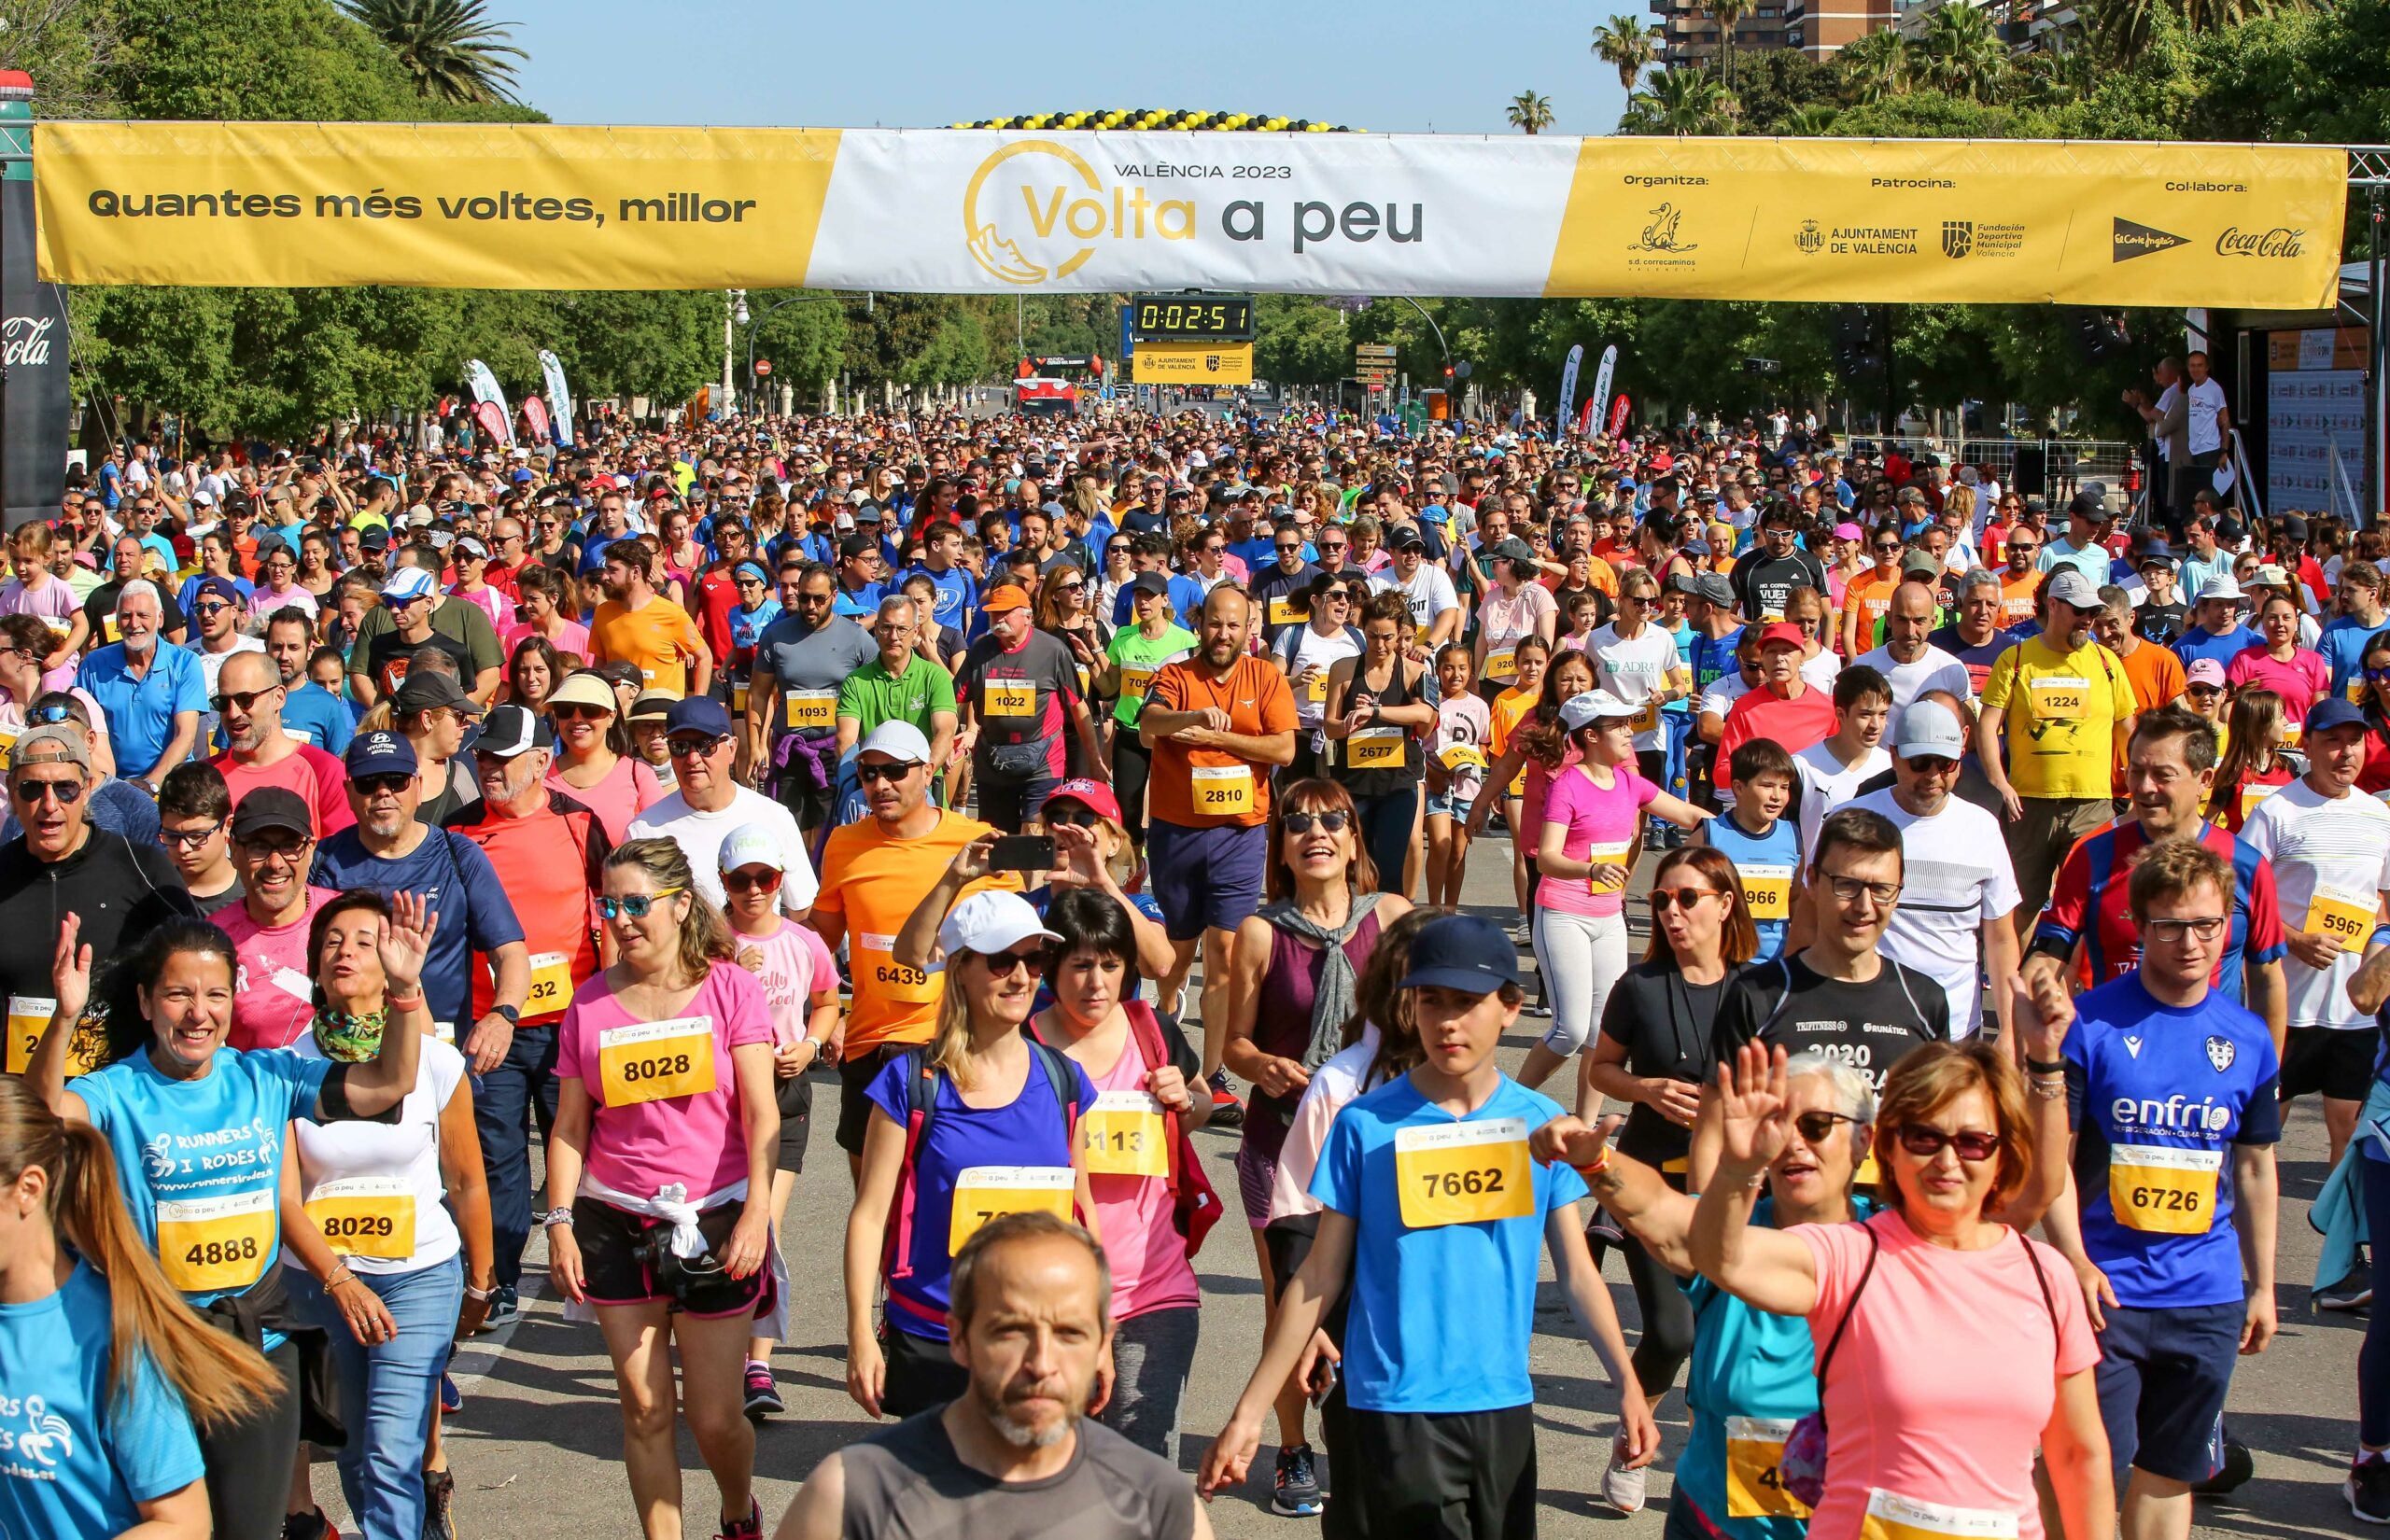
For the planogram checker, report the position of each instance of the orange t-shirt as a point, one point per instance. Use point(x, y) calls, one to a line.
point(657, 638)
point(2016, 597)
point(2156, 677)
point(1871, 597)
point(1184, 780)
point(875, 882)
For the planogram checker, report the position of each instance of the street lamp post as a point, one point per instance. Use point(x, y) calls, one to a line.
point(734, 315)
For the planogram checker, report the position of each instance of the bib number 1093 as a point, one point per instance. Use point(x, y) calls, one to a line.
point(1463, 1173)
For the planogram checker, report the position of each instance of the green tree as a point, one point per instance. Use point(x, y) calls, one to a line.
point(1530, 113)
point(1299, 340)
point(1680, 101)
point(1729, 15)
point(1964, 53)
point(449, 48)
point(1627, 45)
point(1771, 85)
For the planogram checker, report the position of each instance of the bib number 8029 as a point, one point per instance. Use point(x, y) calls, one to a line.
point(356, 1226)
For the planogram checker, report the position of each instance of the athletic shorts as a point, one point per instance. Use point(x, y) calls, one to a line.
point(795, 1096)
point(1256, 1174)
point(1445, 1473)
point(808, 804)
point(615, 1269)
point(1206, 879)
point(921, 1373)
point(1010, 804)
point(2329, 1061)
point(2162, 1376)
point(855, 1076)
point(1455, 808)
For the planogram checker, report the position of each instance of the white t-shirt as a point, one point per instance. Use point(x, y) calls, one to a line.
point(211, 664)
point(391, 1165)
point(2338, 852)
point(1955, 875)
point(2206, 400)
point(1933, 669)
point(1430, 592)
point(1827, 783)
point(700, 837)
point(1822, 670)
point(1635, 671)
point(1305, 648)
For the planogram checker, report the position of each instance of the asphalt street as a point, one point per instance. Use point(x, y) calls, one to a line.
point(537, 1450)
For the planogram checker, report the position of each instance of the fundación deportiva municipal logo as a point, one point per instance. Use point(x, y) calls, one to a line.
point(2130, 239)
point(1957, 237)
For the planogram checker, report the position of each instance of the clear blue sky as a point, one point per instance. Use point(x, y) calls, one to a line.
point(1395, 65)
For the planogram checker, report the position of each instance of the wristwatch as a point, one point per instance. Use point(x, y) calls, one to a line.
point(514, 1017)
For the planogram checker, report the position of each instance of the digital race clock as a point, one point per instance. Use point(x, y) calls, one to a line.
point(1191, 317)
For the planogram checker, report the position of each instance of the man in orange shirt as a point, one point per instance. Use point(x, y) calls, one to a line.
point(1217, 724)
point(1869, 597)
point(642, 627)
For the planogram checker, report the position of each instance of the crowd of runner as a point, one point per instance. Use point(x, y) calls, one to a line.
point(382, 812)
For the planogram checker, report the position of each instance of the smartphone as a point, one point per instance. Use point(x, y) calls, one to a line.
point(1022, 853)
point(1323, 1380)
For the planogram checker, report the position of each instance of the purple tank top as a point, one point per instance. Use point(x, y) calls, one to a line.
point(1282, 1023)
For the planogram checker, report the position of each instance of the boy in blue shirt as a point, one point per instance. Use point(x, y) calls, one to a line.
point(1436, 1211)
point(1764, 845)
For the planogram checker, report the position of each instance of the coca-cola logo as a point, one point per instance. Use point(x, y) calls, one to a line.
point(2281, 241)
point(24, 341)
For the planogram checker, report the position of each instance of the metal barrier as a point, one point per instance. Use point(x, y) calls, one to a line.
point(2055, 468)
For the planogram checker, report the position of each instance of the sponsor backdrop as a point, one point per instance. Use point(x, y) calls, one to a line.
point(33, 338)
point(964, 210)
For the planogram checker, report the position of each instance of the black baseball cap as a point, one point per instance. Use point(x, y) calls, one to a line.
point(1149, 582)
point(1465, 952)
point(511, 730)
point(272, 808)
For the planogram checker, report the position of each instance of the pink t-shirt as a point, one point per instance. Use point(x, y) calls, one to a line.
point(694, 1139)
point(1946, 1376)
point(320, 776)
point(55, 602)
point(2296, 680)
point(1150, 1269)
point(573, 641)
point(796, 963)
point(1601, 824)
point(490, 602)
point(273, 985)
point(628, 790)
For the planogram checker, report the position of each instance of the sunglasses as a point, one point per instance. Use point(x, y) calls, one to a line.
point(1680, 897)
point(1816, 1128)
point(244, 699)
point(682, 748)
point(1929, 764)
point(635, 904)
point(1002, 963)
point(1925, 1142)
point(66, 792)
point(751, 882)
point(370, 787)
point(873, 774)
point(1333, 820)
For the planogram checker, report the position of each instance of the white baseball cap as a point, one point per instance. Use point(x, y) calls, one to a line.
point(900, 741)
point(1928, 727)
point(751, 844)
point(2222, 586)
point(988, 923)
point(1577, 711)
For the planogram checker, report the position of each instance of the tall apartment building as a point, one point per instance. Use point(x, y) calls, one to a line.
point(1819, 28)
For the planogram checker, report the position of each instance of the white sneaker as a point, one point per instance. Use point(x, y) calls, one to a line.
point(1622, 1489)
point(1522, 934)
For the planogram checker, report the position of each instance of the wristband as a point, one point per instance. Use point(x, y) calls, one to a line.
point(555, 1217)
point(402, 1001)
point(1596, 1169)
point(2045, 1067)
point(479, 1296)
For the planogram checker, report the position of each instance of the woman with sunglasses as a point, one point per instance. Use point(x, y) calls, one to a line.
point(1514, 608)
point(374, 1217)
point(533, 671)
point(800, 982)
point(172, 1096)
point(1308, 654)
point(1063, 611)
point(755, 608)
point(978, 1121)
point(1295, 971)
point(1381, 706)
point(594, 762)
point(1921, 1424)
point(660, 1178)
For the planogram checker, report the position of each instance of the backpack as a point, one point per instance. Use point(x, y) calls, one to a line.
point(920, 1112)
point(1195, 1207)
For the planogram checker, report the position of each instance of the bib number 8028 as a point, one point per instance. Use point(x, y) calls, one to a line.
point(655, 1069)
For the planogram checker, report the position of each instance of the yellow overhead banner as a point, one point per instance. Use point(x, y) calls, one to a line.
point(988, 211)
point(1192, 363)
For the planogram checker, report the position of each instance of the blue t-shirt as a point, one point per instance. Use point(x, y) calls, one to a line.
point(1779, 846)
point(204, 1156)
point(75, 1458)
point(438, 870)
point(141, 711)
point(1442, 1316)
point(1028, 1130)
point(2200, 642)
point(1746, 1362)
point(314, 714)
point(2159, 1095)
point(2342, 645)
point(957, 600)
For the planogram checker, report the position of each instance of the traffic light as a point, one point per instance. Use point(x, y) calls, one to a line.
point(1448, 372)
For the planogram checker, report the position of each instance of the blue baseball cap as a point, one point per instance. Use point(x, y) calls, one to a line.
point(2335, 712)
point(698, 714)
point(380, 754)
point(1435, 513)
point(406, 586)
point(1463, 952)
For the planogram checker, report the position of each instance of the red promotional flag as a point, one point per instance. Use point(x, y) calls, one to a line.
point(1585, 418)
point(1618, 415)
point(535, 417)
point(492, 420)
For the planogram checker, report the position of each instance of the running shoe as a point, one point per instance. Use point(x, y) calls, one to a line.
point(1297, 1495)
point(312, 1525)
point(452, 1400)
point(439, 1499)
point(1226, 1111)
point(749, 1528)
point(763, 1397)
point(1521, 934)
point(1538, 1008)
point(1622, 1489)
point(2239, 1465)
point(2353, 1292)
point(504, 1307)
point(2368, 1490)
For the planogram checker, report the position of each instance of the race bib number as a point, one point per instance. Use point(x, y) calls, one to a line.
point(2251, 796)
point(1122, 1135)
point(1518, 787)
point(738, 697)
point(2059, 697)
point(1893, 1516)
point(445, 1031)
point(1315, 687)
point(1374, 748)
point(551, 984)
point(366, 1217)
point(28, 1018)
point(1767, 892)
point(1502, 662)
point(1222, 791)
point(1646, 716)
point(877, 972)
point(8, 743)
point(1134, 682)
point(2356, 689)
point(1287, 613)
point(813, 710)
point(109, 630)
point(1754, 1477)
point(2292, 731)
point(1619, 855)
point(654, 1060)
point(2343, 913)
point(1458, 757)
point(2162, 1188)
point(983, 1192)
point(1008, 698)
point(1463, 1173)
point(216, 1245)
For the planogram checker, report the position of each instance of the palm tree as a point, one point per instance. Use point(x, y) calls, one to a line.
point(1530, 113)
point(1880, 64)
point(1681, 101)
point(1728, 14)
point(451, 48)
point(2123, 29)
point(1809, 120)
point(1628, 46)
point(1964, 53)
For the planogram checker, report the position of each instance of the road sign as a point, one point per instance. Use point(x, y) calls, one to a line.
point(763, 366)
point(1193, 363)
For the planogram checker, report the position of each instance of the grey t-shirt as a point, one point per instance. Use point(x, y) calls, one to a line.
point(807, 666)
point(907, 1483)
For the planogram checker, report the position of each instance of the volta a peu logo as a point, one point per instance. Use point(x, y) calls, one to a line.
point(1035, 211)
